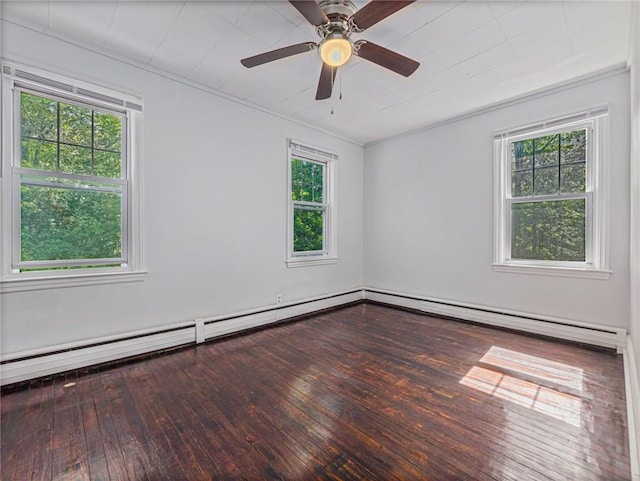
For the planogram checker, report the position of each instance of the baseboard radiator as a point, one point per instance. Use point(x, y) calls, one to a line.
point(26, 365)
point(593, 334)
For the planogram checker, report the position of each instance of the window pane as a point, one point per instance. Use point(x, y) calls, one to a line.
point(574, 146)
point(553, 230)
point(522, 154)
point(308, 230)
point(39, 117)
point(66, 224)
point(89, 143)
point(307, 179)
point(107, 164)
point(522, 183)
point(573, 177)
point(75, 125)
point(75, 160)
point(547, 149)
point(39, 154)
point(107, 131)
point(546, 180)
point(318, 181)
point(296, 179)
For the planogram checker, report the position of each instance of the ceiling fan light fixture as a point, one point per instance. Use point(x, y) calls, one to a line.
point(335, 50)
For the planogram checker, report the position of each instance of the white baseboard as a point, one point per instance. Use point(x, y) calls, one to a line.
point(632, 388)
point(21, 369)
point(593, 334)
point(22, 366)
point(222, 325)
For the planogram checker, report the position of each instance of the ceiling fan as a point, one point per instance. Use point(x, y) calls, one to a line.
point(335, 21)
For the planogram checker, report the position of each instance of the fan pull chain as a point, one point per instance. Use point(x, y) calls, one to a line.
point(338, 74)
point(332, 85)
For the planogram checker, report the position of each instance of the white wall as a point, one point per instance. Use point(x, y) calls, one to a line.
point(214, 211)
point(634, 58)
point(429, 213)
point(634, 328)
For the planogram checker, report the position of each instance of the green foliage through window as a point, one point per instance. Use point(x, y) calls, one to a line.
point(308, 196)
point(550, 231)
point(307, 230)
point(71, 198)
point(549, 165)
point(552, 168)
point(62, 137)
point(62, 224)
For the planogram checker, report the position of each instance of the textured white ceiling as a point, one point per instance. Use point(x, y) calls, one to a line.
point(472, 54)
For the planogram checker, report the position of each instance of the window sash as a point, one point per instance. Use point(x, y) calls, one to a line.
point(68, 176)
point(507, 145)
point(508, 217)
point(18, 264)
point(312, 207)
point(124, 129)
point(324, 178)
point(309, 204)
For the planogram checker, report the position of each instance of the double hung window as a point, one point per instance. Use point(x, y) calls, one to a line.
point(69, 192)
point(311, 217)
point(550, 195)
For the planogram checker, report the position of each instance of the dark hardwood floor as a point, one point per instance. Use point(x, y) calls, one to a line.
point(364, 392)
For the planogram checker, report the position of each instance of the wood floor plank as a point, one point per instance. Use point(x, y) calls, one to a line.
point(41, 426)
point(363, 392)
point(26, 427)
point(17, 413)
point(160, 415)
point(105, 389)
point(211, 436)
point(250, 429)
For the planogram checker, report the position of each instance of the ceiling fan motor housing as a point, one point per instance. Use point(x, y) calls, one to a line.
point(342, 8)
point(338, 12)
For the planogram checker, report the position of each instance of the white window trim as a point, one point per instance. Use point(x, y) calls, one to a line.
point(597, 195)
point(16, 75)
point(330, 253)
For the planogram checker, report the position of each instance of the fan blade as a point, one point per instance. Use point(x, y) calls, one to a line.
point(386, 58)
point(277, 54)
point(325, 85)
point(311, 11)
point(375, 11)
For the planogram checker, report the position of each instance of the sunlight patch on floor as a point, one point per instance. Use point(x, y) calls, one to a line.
point(555, 372)
point(540, 398)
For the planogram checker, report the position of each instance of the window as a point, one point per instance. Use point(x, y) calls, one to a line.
point(550, 197)
point(311, 217)
point(69, 196)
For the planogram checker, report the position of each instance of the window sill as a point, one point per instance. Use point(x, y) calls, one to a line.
point(555, 271)
point(58, 282)
point(311, 261)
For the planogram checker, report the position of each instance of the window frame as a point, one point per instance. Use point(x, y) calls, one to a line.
point(16, 79)
point(328, 255)
point(596, 195)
